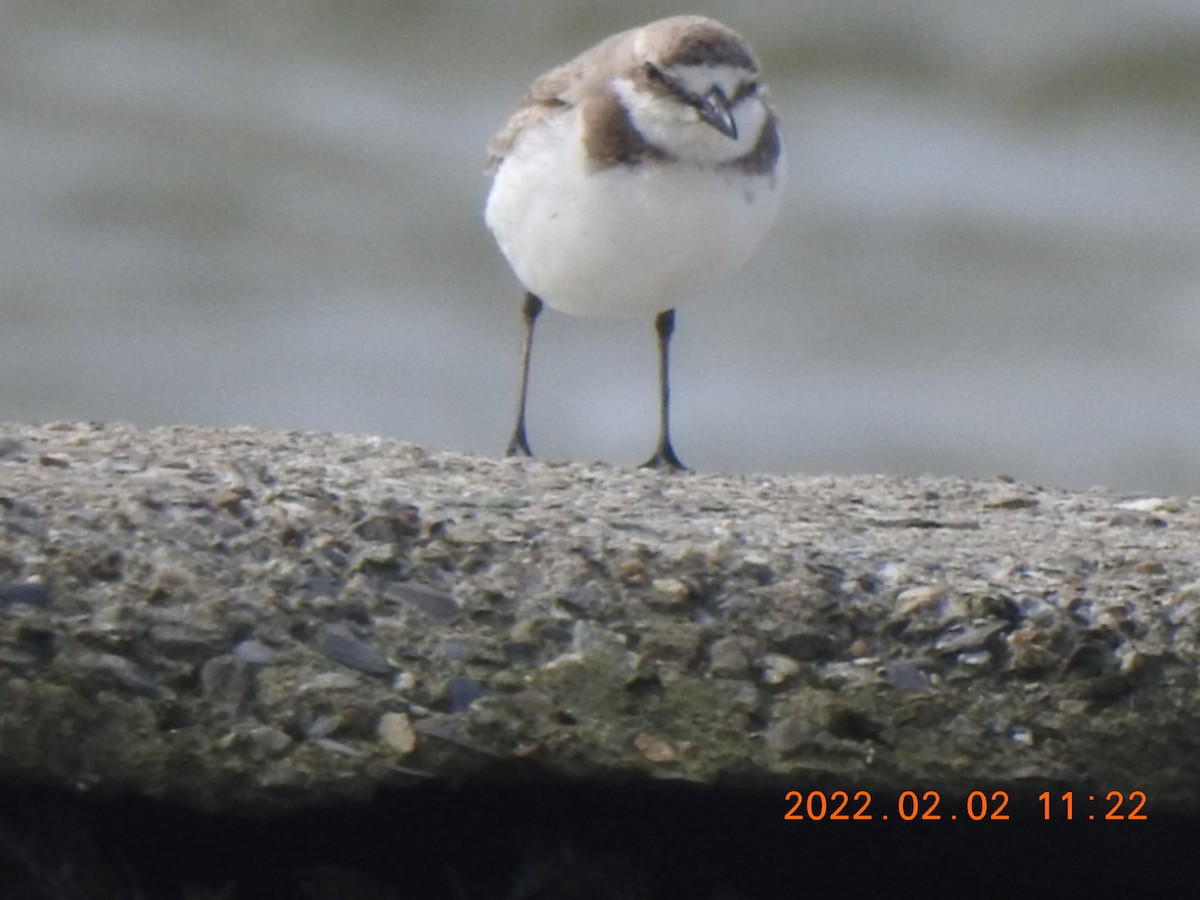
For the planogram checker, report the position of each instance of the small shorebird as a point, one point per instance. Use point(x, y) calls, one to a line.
point(632, 177)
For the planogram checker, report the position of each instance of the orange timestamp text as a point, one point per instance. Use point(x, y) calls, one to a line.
point(977, 806)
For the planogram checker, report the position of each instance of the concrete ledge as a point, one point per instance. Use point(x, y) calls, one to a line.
point(245, 620)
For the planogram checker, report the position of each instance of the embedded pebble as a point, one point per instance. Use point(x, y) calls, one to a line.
point(341, 646)
point(787, 735)
point(258, 742)
point(777, 668)
point(435, 604)
point(655, 748)
point(591, 599)
point(331, 681)
point(339, 747)
point(17, 659)
point(916, 599)
point(1149, 504)
point(25, 595)
point(974, 637)
point(322, 726)
point(671, 590)
point(805, 645)
point(110, 670)
point(905, 676)
point(397, 732)
point(462, 692)
point(227, 682)
point(255, 652)
point(728, 659)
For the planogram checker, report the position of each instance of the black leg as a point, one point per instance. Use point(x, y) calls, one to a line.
point(664, 456)
point(518, 444)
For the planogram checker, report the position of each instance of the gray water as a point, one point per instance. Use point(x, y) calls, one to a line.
point(270, 213)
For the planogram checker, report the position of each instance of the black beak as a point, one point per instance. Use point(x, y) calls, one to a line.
point(715, 109)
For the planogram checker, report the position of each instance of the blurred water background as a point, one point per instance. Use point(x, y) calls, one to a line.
point(270, 213)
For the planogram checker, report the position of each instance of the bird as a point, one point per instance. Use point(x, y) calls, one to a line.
point(630, 179)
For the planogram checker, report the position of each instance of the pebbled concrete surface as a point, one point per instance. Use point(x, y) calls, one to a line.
point(249, 620)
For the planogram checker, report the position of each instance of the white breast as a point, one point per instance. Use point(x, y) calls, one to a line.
point(626, 240)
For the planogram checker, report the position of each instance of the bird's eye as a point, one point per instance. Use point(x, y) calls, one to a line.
point(746, 90)
point(653, 73)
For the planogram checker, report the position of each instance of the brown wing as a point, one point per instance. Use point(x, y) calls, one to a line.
point(556, 91)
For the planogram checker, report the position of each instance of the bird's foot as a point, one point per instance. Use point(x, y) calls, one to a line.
point(518, 445)
point(664, 458)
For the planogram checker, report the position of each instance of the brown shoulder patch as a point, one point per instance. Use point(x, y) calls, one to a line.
point(762, 157)
point(609, 137)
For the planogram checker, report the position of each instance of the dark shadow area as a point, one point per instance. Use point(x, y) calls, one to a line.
point(521, 842)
